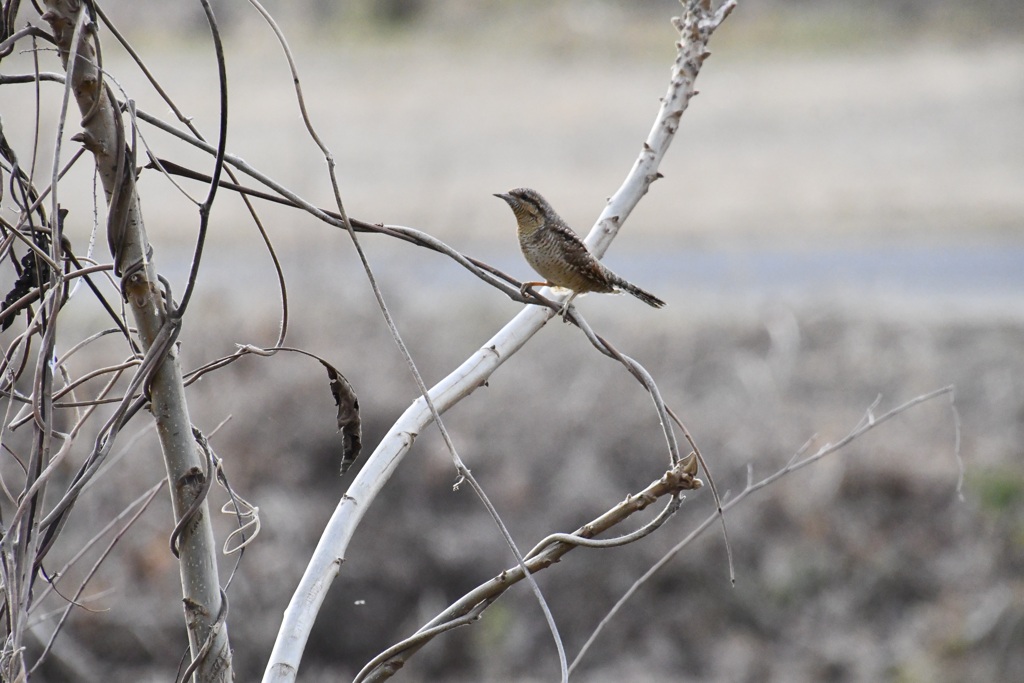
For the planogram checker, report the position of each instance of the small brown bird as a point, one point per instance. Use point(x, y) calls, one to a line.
point(558, 254)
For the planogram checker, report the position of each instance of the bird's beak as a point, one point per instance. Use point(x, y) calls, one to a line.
point(504, 195)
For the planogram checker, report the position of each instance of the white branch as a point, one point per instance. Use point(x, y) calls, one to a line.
point(695, 30)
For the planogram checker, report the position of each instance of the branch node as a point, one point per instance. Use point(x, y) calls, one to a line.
point(90, 142)
point(681, 476)
point(193, 610)
point(192, 482)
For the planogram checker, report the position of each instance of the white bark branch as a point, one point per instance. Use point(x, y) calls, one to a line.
point(103, 135)
point(695, 30)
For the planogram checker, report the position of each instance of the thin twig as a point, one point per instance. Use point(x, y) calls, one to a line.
point(798, 461)
point(463, 471)
point(143, 502)
point(219, 155)
point(218, 164)
point(549, 551)
point(325, 562)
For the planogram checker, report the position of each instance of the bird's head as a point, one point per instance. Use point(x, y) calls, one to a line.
point(529, 207)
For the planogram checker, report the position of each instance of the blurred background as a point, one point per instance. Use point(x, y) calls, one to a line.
point(841, 220)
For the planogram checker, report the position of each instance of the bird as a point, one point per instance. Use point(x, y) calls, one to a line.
point(558, 254)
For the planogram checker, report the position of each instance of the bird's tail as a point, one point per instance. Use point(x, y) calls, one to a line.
point(644, 296)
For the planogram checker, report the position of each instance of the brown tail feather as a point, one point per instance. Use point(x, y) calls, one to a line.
point(646, 297)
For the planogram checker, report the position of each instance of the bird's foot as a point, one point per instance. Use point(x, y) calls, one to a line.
point(526, 285)
point(566, 307)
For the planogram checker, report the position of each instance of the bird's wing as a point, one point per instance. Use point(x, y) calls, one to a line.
point(574, 246)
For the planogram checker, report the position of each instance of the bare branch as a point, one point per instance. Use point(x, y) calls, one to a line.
point(680, 478)
point(798, 461)
point(104, 135)
point(142, 502)
point(326, 561)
